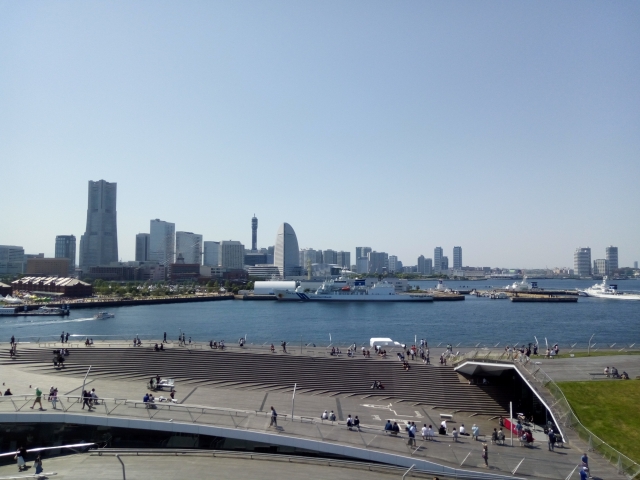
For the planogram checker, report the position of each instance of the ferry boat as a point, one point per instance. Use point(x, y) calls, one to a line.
point(522, 286)
point(605, 290)
point(341, 290)
point(50, 311)
point(103, 315)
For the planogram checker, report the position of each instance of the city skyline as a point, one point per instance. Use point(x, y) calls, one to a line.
point(474, 112)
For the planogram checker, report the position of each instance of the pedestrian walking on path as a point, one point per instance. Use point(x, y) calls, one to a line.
point(485, 454)
point(38, 399)
point(274, 418)
point(20, 457)
point(552, 439)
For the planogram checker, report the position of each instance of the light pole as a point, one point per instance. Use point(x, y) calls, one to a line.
point(589, 346)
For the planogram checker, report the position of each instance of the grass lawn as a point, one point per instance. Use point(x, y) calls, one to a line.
point(610, 409)
point(598, 353)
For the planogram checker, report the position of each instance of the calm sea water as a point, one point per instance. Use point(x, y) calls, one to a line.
point(468, 322)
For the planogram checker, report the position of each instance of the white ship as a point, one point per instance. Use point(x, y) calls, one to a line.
point(604, 290)
point(103, 315)
point(342, 291)
point(522, 286)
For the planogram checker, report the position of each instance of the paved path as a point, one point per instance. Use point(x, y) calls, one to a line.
point(242, 409)
point(578, 369)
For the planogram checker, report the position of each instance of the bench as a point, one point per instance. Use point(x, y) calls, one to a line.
point(601, 376)
point(447, 416)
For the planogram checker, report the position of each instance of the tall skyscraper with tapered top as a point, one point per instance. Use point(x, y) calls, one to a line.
point(254, 233)
point(99, 244)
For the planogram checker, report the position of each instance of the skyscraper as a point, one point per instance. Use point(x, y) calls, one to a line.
point(189, 244)
point(582, 261)
point(444, 265)
point(212, 254)
point(66, 248)
point(437, 259)
point(612, 257)
point(601, 267)
point(378, 262)
point(99, 244)
point(421, 264)
point(330, 257)
point(12, 259)
point(286, 253)
point(344, 259)
point(162, 242)
point(142, 247)
point(457, 258)
point(362, 252)
point(254, 233)
point(232, 254)
point(393, 260)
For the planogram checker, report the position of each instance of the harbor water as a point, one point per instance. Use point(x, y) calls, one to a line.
point(467, 323)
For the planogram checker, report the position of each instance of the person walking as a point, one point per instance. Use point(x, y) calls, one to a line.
point(54, 398)
point(485, 454)
point(411, 429)
point(21, 454)
point(86, 397)
point(62, 337)
point(13, 340)
point(585, 464)
point(475, 431)
point(455, 435)
point(66, 337)
point(274, 418)
point(552, 439)
point(38, 399)
point(38, 465)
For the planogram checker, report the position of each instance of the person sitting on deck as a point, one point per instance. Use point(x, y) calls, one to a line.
point(624, 376)
point(463, 431)
point(273, 349)
point(387, 426)
point(325, 415)
point(606, 371)
point(86, 342)
point(161, 346)
point(211, 344)
point(614, 372)
point(332, 416)
point(156, 348)
point(395, 430)
point(91, 341)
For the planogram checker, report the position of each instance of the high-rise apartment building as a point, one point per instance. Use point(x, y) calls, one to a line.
point(330, 257)
point(428, 266)
point(393, 260)
point(66, 248)
point(437, 259)
point(612, 257)
point(11, 260)
point(635, 264)
point(344, 259)
point(378, 262)
point(232, 255)
point(582, 261)
point(254, 233)
point(457, 258)
point(421, 264)
point(211, 254)
point(444, 265)
point(601, 266)
point(362, 265)
point(162, 242)
point(189, 245)
point(142, 247)
point(99, 244)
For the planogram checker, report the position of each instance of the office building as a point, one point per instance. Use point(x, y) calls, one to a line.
point(457, 258)
point(344, 259)
point(189, 245)
point(362, 265)
point(211, 254)
point(162, 238)
point(254, 233)
point(635, 264)
point(362, 252)
point(421, 265)
point(601, 266)
point(330, 257)
point(286, 253)
point(255, 258)
point(437, 259)
point(47, 267)
point(99, 244)
point(66, 248)
point(444, 265)
point(142, 247)
point(428, 266)
point(611, 256)
point(11, 260)
point(582, 261)
point(378, 262)
point(232, 255)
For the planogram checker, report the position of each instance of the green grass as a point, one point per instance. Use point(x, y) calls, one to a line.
point(596, 353)
point(610, 409)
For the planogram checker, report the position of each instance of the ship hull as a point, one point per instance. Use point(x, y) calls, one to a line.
point(314, 297)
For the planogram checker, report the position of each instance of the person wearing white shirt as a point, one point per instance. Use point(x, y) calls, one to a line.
point(325, 415)
point(425, 432)
point(463, 431)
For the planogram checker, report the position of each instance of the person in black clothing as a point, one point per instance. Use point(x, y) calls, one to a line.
point(85, 400)
point(66, 338)
point(164, 340)
point(13, 340)
point(8, 392)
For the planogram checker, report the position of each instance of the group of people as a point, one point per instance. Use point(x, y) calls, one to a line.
point(335, 351)
point(497, 437)
point(88, 342)
point(90, 399)
point(158, 348)
point(379, 351)
point(377, 385)
point(215, 345)
point(64, 337)
point(137, 342)
point(328, 416)
point(613, 373)
point(58, 357)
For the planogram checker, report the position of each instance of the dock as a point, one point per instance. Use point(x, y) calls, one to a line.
point(543, 298)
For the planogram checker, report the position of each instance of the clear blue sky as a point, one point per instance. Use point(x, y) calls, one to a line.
point(509, 128)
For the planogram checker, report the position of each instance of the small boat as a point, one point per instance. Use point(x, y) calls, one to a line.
point(103, 315)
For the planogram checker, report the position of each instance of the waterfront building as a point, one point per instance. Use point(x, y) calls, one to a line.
point(232, 255)
point(344, 259)
point(444, 266)
point(263, 271)
point(189, 245)
point(48, 267)
point(162, 240)
point(378, 262)
point(457, 258)
point(255, 258)
point(393, 259)
point(330, 257)
point(142, 247)
point(99, 244)
point(211, 254)
point(11, 260)
point(612, 257)
point(286, 252)
point(362, 265)
point(437, 259)
point(66, 248)
point(65, 286)
point(601, 266)
point(582, 261)
point(254, 233)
